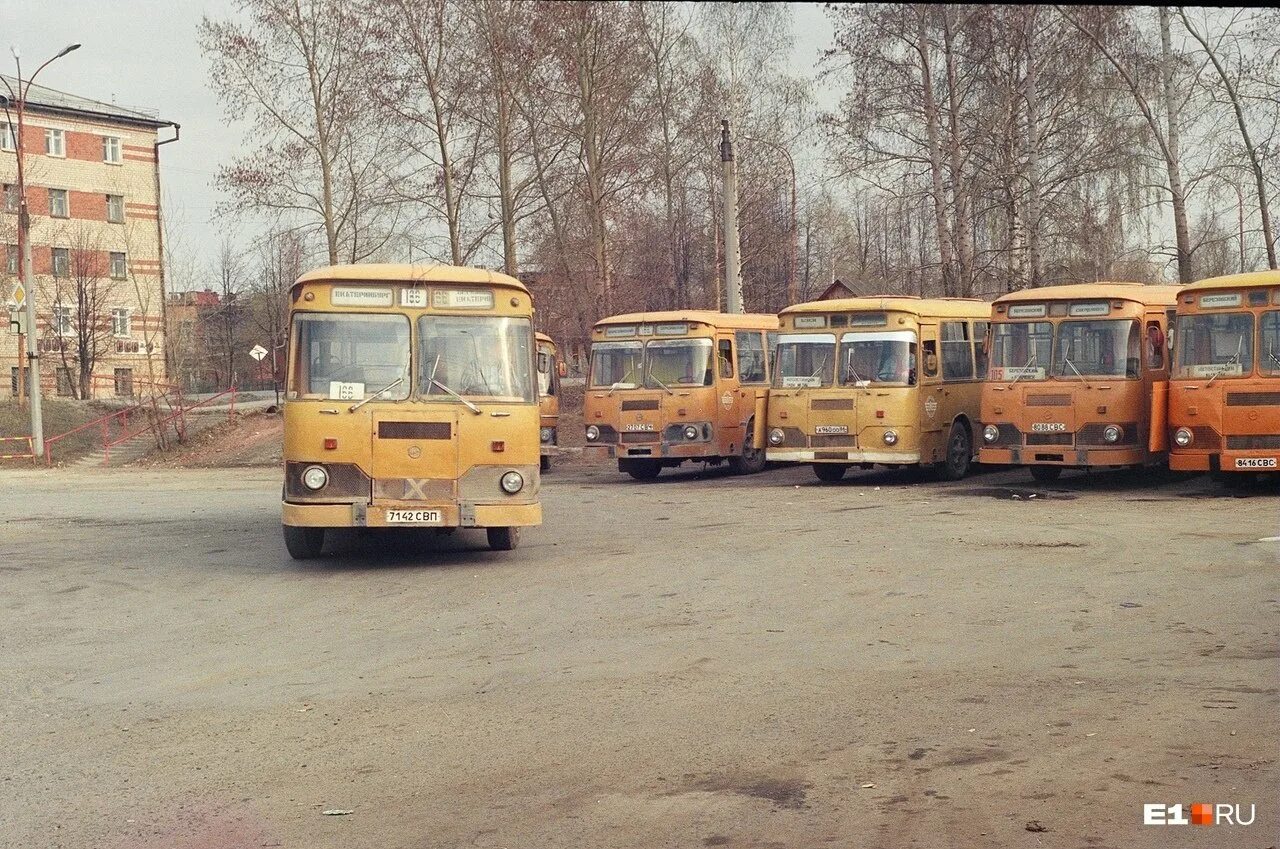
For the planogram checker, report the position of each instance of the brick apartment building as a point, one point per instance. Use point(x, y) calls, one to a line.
point(93, 189)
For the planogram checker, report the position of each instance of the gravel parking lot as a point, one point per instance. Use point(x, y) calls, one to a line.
point(700, 661)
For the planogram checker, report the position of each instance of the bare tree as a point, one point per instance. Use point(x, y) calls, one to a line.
point(83, 295)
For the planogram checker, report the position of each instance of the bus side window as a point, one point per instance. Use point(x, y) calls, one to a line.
point(957, 351)
point(980, 330)
point(751, 368)
point(1155, 343)
point(930, 348)
point(771, 347)
point(726, 358)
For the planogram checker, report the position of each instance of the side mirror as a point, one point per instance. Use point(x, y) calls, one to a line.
point(562, 369)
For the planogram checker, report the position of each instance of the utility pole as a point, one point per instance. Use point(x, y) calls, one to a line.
point(24, 247)
point(732, 258)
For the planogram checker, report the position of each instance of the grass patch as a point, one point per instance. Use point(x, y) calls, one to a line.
point(60, 416)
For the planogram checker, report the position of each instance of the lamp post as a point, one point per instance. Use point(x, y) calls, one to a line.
point(792, 247)
point(19, 99)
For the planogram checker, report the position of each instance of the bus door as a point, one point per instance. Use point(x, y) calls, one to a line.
point(753, 378)
point(933, 402)
point(733, 406)
point(1155, 372)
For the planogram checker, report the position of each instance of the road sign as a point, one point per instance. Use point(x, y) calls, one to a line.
point(19, 299)
point(258, 352)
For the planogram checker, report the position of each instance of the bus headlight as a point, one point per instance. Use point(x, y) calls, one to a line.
point(593, 433)
point(990, 433)
point(690, 432)
point(1182, 437)
point(1111, 433)
point(512, 482)
point(776, 436)
point(546, 434)
point(890, 437)
point(314, 477)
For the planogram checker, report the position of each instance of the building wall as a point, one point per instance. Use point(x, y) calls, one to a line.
point(91, 238)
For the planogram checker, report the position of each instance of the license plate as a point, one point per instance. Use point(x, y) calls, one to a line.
point(1255, 462)
point(634, 426)
point(827, 429)
point(1048, 427)
point(415, 517)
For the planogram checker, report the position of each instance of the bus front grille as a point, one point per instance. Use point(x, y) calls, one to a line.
point(639, 437)
point(640, 404)
point(1048, 400)
point(831, 404)
point(1203, 438)
point(837, 440)
point(1245, 443)
point(793, 437)
point(1253, 399)
point(1050, 438)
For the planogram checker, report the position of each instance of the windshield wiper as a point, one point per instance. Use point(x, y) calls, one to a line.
point(1023, 370)
point(621, 382)
point(857, 378)
point(393, 384)
point(660, 383)
point(432, 380)
point(1271, 355)
point(1235, 360)
point(1066, 361)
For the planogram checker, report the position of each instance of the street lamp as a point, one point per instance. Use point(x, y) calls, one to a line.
point(792, 244)
point(19, 99)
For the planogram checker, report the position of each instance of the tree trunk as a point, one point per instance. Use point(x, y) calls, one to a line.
point(1176, 191)
point(933, 121)
point(959, 190)
point(1034, 188)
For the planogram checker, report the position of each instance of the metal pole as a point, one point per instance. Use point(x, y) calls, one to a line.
point(28, 279)
point(732, 257)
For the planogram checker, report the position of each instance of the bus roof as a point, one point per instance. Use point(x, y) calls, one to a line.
point(1117, 290)
point(1236, 281)
point(542, 337)
point(398, 273)
point(941, 307)
point(715, 319)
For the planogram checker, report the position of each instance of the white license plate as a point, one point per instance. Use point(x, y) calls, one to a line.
point(1255, 462)
point(645, 426)
point(831, 429)
point(415, 517)
point(1048, 427)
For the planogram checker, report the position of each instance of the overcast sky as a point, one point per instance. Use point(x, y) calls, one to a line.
point(143, 54)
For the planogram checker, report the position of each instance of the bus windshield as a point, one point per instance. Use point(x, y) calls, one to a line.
point(350, 357)
point(805, 360)
point(867, 358)
point(1269, 356)
point(616, 364)
point(1098, 348)
point(678, 362)
point(1215, 345)
point(1021, 350)
point(477, 357)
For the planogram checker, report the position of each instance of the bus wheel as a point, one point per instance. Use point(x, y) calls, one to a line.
point(503, 539)
point(641, 470)
point(1046, 474)
point(752, 459)
point(544, 463)
point(303, 543)
point(829, 472)
point(959, 454)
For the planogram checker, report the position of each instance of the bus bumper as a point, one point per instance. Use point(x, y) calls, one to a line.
point(1226, 461)
point(654, 451)
point(369, 516)
point(1036, 455)
point(886, 458)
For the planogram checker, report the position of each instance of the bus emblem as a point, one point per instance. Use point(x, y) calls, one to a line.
point(931, 405)
point(726, 400)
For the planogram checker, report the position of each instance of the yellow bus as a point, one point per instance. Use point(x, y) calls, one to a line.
point(1224, 396)
point(1078, 377)
point(550, 370)
point(867, 381)
point(666, 387)
point(411, 401)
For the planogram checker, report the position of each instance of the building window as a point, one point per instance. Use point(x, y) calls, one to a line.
point(121, 325)
point(62, 323)
point(64, 381)
point(55, 142)
point(11, 259)
point(58, 205)
point(119, 267)
point(111, 150)
point(61, 262)
point(8, 137)
point(11, 198)
point(115, 209)
point(124, 383)
point(13, 380)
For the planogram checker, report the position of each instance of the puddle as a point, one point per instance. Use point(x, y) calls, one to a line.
point(1010, 493)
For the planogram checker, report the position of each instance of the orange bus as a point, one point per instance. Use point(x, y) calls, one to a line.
point(1224, 397)
point(1078, 377)
point(550, 370)
point(891, 380)
point(666, 387)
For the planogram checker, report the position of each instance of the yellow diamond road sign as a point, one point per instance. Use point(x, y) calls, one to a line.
point(19, 295)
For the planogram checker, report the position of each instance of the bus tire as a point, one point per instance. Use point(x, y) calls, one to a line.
point(752, 459)
point(1045, 474)
point(641, 470)
point(503, 539)
point(959, 453)
point(303, 543)
point(829, 472)
point(544, 463)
